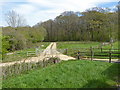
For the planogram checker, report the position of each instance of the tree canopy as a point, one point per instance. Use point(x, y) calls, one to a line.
point(95, 24)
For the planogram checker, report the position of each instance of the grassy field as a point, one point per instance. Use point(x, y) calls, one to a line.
point(115, 46)
point(22, 54)
point(73, 47)
point(76, 44)
point(68, 74)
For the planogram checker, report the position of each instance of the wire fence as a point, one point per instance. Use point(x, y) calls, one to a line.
point(17, 68)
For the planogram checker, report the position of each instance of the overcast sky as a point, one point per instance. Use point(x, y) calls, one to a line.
point(35, 11)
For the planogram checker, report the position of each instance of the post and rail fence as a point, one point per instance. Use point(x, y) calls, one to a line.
point(34, 53)
point(91, 53)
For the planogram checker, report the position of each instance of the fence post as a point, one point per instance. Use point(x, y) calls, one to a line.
point(91, 53)
point(78, 55)
point(13, 54)
point(101, 49)
point(109, 55)
point(66, 51)
point(27, 53)
point(36, 51)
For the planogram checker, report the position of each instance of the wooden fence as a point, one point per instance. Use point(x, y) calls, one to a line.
point(94, 52)
point(35, 53)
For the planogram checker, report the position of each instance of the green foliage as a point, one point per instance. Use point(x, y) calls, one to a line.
point(22, 54)
point(37, 34)
point(23, 37)
point(19, 38)
point(5, 45)
point(68, 74)
point(95, 24)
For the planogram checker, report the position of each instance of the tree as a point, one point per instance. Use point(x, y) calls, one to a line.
point(95, 24)
point(22, 37)
point(13, 19)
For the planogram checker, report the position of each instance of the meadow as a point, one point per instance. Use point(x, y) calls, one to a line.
point(85, 49)
point(68, 74)
point(72, 49)
point(22, 54)
point(77, 44)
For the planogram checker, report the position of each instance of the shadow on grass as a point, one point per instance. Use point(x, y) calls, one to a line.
point(113, 72)
point(112, 80)
point(96, 84)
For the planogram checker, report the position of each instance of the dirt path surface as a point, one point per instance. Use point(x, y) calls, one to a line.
point(50, 51)
point(96, 59)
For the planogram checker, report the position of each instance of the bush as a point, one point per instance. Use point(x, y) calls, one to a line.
point(5, 45)
point(23, 37)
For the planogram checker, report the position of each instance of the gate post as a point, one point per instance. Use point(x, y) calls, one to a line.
point(91, 53)
point(78, 55)
point(101, 49)
point(36, 51)
point(66, 50)
point(109, 55)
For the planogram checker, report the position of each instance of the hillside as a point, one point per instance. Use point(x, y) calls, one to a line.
point(68, 74)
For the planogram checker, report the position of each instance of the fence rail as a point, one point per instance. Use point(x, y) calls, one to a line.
point(92, 52)
point(34, 53)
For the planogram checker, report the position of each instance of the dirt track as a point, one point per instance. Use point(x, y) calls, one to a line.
point(96, 59)
point(50, 51)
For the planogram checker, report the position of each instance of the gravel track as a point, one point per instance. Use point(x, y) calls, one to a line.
point(50, 51)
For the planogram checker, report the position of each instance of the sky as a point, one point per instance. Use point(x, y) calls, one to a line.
point(35, 11)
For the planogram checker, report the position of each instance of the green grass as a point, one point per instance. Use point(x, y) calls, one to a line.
point(68, 74)
point(73, 47)
point(115, 46)
point(22, 54)
point(77, 44)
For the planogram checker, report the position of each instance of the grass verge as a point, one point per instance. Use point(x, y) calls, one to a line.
point(68, 74)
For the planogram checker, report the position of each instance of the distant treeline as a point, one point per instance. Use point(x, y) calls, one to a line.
point(95, 24)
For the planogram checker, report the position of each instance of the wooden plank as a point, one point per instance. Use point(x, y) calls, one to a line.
point(101, 55)
point(115, 52)
point(85, 52)
point(91, 53)
point(30, 51)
